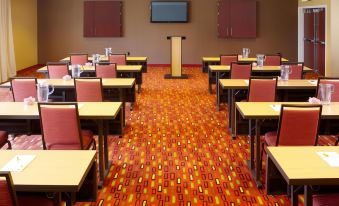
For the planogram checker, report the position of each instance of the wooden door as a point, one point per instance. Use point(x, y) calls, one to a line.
point(309, 24)
point(242, 18)
point(309, 54)
point(102, 19)
point(223, 18)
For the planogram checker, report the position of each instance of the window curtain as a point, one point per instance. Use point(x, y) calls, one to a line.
point(7, 57)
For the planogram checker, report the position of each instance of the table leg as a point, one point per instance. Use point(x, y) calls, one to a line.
point(258, 153)
point(217, 90)
point(308, 196)
point(106, 149)
point(123, 100)
point(229, 100)
point(101, 153)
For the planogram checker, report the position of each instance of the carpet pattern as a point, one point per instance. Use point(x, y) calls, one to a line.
point(176, 150)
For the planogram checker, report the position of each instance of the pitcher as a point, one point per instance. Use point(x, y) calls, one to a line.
point(44, 90)
point(260, 60)
point(95, 58)
point(245, 52)
point(108, 51)
point(76, 70)
point(285, 71)
point(325, 93)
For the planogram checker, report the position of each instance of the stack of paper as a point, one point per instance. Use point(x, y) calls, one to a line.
point(331, 158)
point(18, 163)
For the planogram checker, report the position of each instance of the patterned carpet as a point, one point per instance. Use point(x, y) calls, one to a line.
point(176, 150)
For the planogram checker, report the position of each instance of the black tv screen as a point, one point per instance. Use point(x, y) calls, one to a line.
point(169, 11)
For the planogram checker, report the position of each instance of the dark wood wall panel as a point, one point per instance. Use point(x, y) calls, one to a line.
point(243, 19)
point(102, 19)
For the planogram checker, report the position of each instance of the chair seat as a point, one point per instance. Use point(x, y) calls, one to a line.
point(87, 140)
point(270, 138)
point(34, 200)
point(3, 138)
point(325, 200)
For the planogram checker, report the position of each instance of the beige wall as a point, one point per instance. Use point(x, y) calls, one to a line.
point(25, 32)
point(61, 31)
point(335, 38)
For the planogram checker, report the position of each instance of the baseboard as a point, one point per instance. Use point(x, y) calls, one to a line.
point(168, 65)
point(34, 67)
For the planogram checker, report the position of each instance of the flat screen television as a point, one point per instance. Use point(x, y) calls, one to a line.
point(169, 11)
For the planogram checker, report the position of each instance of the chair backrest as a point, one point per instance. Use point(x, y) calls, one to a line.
point(78, 59)
point(7, 193)
point(330, 80)
point(88, 89)
point(262, 89)
point(227, 59)
point(240, 70)
point(60, 126)
point(57, 70)
point(296, 68)
point(118, 59)
point(23, 88)
point(272, 60)
point(106, 70)
point(298, 125)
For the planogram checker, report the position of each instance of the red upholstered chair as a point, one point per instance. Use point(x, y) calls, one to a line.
point(272, 60)
point(227, 59)
point(23, 88)
point(118, 59)
point(60, 127)
point(262, 89)
point(298, 126)
point(8, 196)
point(106, 70)
point(88, 89)
point(326, 199)
point(330, 80)
point(4, 140)
point(78, 59)
point(56, 70)
point(296, 68)
point(240, 70)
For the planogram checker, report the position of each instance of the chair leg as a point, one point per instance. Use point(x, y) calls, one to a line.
point(337, 141)
point(9, 145)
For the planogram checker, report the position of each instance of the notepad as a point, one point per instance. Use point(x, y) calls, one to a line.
point(247, 82)
point(18, 163)
point(314, 82)
point(331, 158)
point(276, 107)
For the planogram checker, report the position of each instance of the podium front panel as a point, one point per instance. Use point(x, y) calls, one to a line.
point(176, 56)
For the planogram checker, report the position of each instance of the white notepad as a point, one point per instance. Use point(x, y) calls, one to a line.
point(247, 82)
point(18, 163)
point(331, 158)
point(276, 107)
point(314, 82)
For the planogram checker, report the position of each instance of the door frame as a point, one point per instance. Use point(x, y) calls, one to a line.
point(301, 31)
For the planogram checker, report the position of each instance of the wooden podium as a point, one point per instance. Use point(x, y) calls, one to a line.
point(176, 58)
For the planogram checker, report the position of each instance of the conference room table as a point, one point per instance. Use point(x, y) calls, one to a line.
point(59, 171)
point(100, 112)
point(124, 71)
point(284, 87)
point(300, 166)
point(207, 61)
point(130, 60)
point(256, 71)
point(259, 111)
point(125, 86)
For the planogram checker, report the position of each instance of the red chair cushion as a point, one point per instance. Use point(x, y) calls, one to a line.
point(5, 195)
point(271, 138)
point(34, 200)
point(87, 138)
point(325, 200)
point(3, 138)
